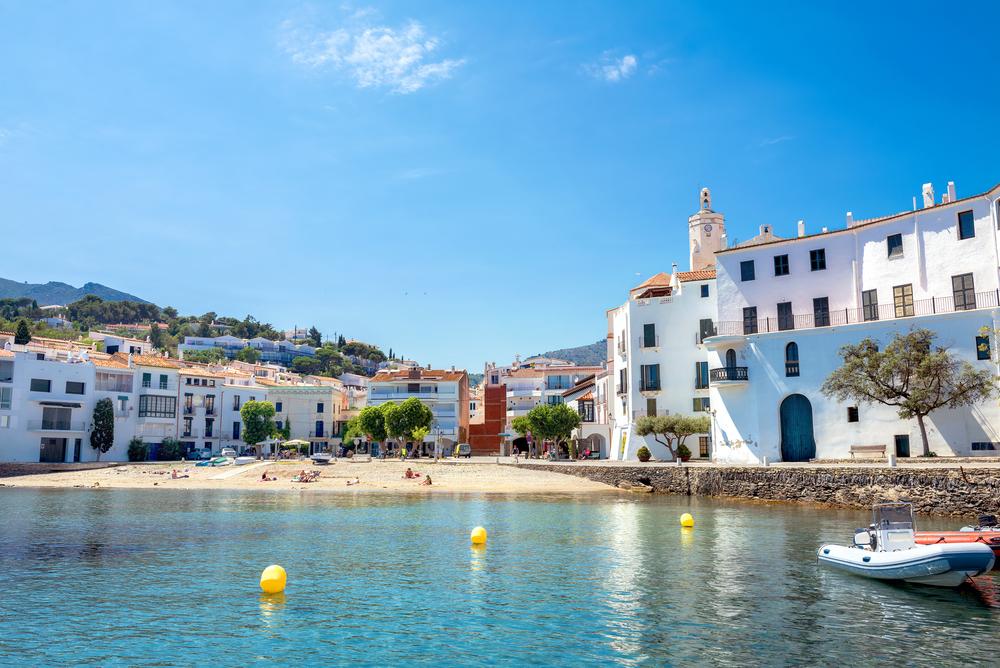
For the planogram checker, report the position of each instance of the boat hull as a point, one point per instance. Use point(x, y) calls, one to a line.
point(990, 538)
point(943, 565)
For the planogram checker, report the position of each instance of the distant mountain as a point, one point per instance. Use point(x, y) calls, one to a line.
point(590, 355)
point(62, 293)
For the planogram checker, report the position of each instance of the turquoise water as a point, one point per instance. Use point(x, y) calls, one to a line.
point(116, 577)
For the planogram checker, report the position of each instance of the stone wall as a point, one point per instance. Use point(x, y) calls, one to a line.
point(951, 491)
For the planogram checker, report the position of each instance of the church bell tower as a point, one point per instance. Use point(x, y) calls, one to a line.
point(706, 233)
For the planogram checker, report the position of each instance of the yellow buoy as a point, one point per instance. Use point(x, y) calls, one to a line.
point(272, 580)
point(687, 520)
point(478, 536)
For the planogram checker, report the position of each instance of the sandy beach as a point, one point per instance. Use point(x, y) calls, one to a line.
point(447, 476)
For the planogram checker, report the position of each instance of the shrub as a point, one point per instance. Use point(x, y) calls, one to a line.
point(643, 454)
point(170, 450)
point(137, 450)
point(683, 451)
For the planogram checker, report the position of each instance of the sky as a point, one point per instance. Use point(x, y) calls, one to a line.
point(463, 182)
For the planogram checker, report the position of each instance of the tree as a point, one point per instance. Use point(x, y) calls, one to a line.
point(286, 429)
point(341, 342)
point(306, 365)
point(155, 335)
point(170, 450)
point(910, 375)
point(23, 334)
point(258, 421)
point(405, 421)
point(249, 355)
point(170, 313)
point(672, 430)
point(137, 450)
point(315, 338)
point(548, 422)
point(102, 435)
point(371, 422)
point(207, 356)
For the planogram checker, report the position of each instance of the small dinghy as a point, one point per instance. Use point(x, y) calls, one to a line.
point(243, 461)
point(887, 551)
point(987, 532)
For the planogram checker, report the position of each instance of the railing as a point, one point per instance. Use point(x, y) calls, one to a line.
point(524, 392)
point(647, 342)
point(791, 368)
point(157, 385)
point(621, 347)
point(700, 337)
point(850, 316)
point(189, 410)
point(191, 433)
point(621, 389)
point(649, 387)
point(729, 374)
point(56, 425)
point(210, 410)
point(319, 433)
point(406, 395)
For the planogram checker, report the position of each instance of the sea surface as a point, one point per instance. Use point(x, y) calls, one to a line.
point(170, 578)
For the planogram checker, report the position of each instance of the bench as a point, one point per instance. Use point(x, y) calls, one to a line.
point(878, 450)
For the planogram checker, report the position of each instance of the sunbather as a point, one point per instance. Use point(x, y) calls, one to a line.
point(426, 481)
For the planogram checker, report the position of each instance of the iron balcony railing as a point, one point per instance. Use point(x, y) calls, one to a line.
point(648, 341)
point(56, 425)
point(729, 374)
point(649, 386)
point(850, 316)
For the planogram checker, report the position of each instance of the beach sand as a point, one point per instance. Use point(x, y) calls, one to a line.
point(447, 476)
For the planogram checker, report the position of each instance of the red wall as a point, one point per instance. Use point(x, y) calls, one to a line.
point(484, 438)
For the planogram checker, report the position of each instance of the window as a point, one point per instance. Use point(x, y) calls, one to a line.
point(163, 381)
point(894, 245)
point(792, 359)
point(6, 372)
point(236, 431)
point(74, 387)
point(236, 405)
point(113, 382)
point(700, 375)
point(319, 407)
point(147, 379)
point(188, 402)
point(318, 431)
point(704, 290)
point(650, 377)
point(703, 442)
point(187, 381)
point(780, 265)
point(852, 413)
point(869, 305)
point(5, 398)
point(966, 225)
point(902, 299)
point(277, 406)
point(41, 385)
point(157, 407)
point(821, 312)
point(700, 404)
point(554, 400)
point(210, 404)
point(785, 319)
point(649, 336)
point(982, 348)
point(730, 359)
point(747, 272)
point(651, 407)
point(622, 381)
point(706, 328)
point(964, 292)
point(750, 320)
point(209, 427)
point(586, 409)
point(187, 426)
point(817, 259)
point(984, 445)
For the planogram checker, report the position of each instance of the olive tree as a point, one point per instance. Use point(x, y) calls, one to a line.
point(671, 431)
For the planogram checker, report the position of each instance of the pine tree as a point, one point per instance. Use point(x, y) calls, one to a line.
point(23, 334)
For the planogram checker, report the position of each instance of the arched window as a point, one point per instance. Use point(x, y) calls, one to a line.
point(792, 359)
point(730, 359)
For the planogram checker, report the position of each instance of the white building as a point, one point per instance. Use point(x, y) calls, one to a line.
point(235, 393)
point(445, 392)
point(314, 412)
point(200, 426)
point(278, 352)
point(157, 379)
point(594, 431)
point(786, 306)
point(656, 343)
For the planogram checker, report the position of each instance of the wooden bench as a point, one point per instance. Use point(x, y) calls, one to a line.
point(878, 450)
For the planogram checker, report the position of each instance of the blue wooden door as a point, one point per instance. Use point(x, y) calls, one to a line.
point(797, 443)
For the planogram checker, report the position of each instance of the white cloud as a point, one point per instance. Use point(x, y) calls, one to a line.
point(374, 56)
point(771, 141)
point(612, 69)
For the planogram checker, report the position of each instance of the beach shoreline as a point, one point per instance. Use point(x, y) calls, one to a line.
point(447, 476)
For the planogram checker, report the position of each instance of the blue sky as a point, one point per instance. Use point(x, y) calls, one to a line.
point(462, 181)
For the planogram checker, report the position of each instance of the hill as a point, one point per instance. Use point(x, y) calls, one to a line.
point(54, 292)
point(589, 355)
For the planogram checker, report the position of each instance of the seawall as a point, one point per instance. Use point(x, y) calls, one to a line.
point(950, 491)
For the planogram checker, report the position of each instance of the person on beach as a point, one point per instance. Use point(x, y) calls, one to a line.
point(517, 453)
point(175, 475)
point(426, 481)
point(356, 481)
point(410, 474)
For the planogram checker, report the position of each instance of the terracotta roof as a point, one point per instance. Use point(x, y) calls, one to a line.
point(109, 362)
point(5, 353)
point(589, 396)
point(203, 373)
point(525, 373)
point(425, 374)
point(660, 279)
point(700, 275)
point(149, 360)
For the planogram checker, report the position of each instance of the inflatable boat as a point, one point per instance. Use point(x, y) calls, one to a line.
point(886, 550)
point(987, 532)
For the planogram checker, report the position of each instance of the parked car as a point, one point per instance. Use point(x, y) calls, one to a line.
point(464, 450)
point(200, 454)
point(228, 452)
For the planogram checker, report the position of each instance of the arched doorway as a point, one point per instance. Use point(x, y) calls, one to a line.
point(797, 442)
point(521, 443)
point(730, 359)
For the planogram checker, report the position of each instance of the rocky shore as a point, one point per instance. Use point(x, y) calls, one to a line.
point(951, 491)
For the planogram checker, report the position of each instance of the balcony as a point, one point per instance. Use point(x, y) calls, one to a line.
point(621, 389)
point(729, 375)
point(56, 425)
point(645, 342)
point(190, 433)
point(156, 386)
point(649, 387)
point(523, 392)
point(380, 395)
point(851, 316)
point(189, 410)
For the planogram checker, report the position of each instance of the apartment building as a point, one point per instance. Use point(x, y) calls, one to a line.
point(313, 412)
point(787, 305)
point(445, 392)
point(235, 393)
point(201, 401)
point(594, 433)
point(277, 352)
point(157, 379)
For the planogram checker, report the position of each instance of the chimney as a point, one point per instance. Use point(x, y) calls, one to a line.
point(951, 191)
point(850, 219)
point(928, 191)
point(802, 228)
point(131, 362)
point(675, 281)
point(944, 198)
point(823, 229)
